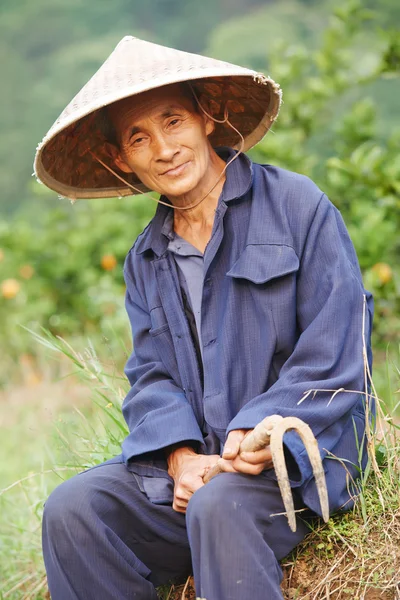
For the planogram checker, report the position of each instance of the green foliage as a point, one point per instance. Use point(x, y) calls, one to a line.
point(328, 129)
point(248, 40)
point(77, 440)
point(67, 271)
point(100, 435)
point(52, 47)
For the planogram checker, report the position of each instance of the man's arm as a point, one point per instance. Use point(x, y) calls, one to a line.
point(156, 409)
point(329, 351)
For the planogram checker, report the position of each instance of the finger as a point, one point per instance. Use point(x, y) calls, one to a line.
point(198, 483)
point(188, 484)
point(181, 501)
point(226, 466)
point(179, 508)
point(260, 456)
point(241, 466)
point(182, 497)
point(232, 443)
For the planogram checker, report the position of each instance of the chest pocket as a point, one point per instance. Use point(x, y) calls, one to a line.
point(264, 279)
point(261, 263)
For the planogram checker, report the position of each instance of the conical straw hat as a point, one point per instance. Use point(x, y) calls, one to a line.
point(64, 160)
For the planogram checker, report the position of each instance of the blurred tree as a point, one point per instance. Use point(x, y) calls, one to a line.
point(329, 129)
point(51, 48)
point(67, 275)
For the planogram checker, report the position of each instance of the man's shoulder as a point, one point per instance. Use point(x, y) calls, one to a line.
point(285, 197)
point(141, 239)
point(289, 186)
point(133, 256)
point(284, 206)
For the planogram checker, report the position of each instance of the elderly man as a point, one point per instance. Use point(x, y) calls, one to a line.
point(243, 293)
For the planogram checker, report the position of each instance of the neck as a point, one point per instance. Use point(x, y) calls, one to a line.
point(204, 197)
point(195, 224)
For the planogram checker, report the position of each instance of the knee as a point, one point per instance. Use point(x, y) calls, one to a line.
point(87, 501)
point(214, 502)
point(64, 505)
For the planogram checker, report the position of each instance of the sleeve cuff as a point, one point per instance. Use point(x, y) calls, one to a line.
point(146, 437)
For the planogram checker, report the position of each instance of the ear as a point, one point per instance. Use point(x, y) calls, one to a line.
point(115, 154)
point(210, 125)
point(206, 107)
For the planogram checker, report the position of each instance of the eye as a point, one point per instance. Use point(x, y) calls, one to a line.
point(174, 121)
point(138, 141)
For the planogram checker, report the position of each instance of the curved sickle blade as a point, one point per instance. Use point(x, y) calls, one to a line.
point(278, 457)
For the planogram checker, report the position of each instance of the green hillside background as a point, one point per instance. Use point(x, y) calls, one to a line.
point(338, 63)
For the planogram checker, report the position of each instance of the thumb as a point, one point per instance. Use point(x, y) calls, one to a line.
point(231, 448)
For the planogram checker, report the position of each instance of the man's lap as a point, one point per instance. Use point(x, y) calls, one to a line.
point(109, 497)
point(145, 503)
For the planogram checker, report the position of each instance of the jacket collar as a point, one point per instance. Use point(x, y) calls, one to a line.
point(239, 178)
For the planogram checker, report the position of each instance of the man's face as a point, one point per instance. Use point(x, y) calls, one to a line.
point(163, 140)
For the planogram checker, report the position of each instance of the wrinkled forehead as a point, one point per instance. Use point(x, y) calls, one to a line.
point(151, 104)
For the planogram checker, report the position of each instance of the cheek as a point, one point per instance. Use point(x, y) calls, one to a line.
point(139, 162)
point(193, 136)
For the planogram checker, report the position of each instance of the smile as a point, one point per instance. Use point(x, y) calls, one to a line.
point(176, 171)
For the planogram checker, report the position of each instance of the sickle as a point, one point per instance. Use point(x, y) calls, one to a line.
point(270, 431)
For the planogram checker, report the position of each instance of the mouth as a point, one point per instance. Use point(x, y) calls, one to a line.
point(176, 171)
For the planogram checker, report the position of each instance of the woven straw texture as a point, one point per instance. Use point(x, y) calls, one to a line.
point(64, 160)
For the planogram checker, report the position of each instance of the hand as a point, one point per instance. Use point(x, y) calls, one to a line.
point(187, 469)
point(251, 463)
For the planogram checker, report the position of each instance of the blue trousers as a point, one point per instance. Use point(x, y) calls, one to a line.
point(104, 539)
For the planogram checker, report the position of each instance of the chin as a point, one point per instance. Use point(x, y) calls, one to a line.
point(179, 188)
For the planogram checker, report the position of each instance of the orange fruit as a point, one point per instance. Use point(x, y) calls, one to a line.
point(10, 288)
point(108, 262)
point(26, 271)
point(383, 271)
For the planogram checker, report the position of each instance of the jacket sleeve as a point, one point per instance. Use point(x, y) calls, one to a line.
point(333, 309)
point(156, 409)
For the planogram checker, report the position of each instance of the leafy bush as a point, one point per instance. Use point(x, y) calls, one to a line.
point(66, 273)
point(329, 129)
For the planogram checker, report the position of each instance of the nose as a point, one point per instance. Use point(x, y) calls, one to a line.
point(165, 147)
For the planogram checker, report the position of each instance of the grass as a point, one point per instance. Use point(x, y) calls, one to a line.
point(355, 555)
point(49, 442)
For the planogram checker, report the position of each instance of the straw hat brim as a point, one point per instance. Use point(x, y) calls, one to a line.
point(64, 160)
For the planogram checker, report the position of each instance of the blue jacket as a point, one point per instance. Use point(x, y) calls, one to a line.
point(283, 309)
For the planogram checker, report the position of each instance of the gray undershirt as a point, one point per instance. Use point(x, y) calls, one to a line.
point(190, 261)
